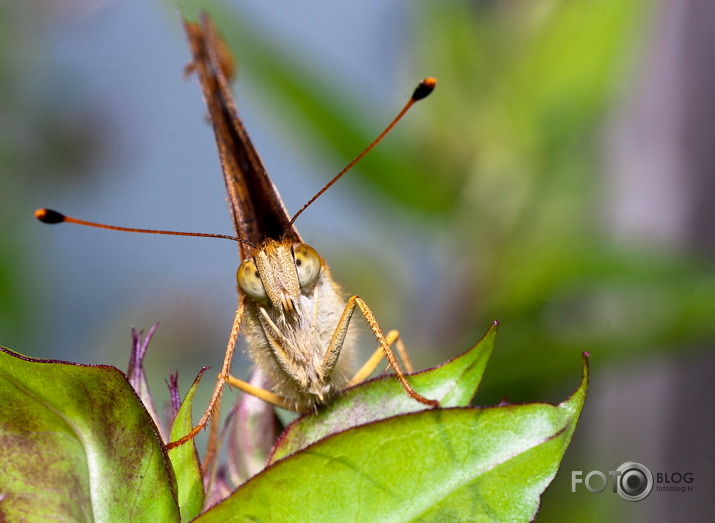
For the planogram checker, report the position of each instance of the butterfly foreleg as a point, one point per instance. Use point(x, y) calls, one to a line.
point(215, 402)
point(385, 348)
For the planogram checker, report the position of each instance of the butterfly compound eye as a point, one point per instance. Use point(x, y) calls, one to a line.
point(307, 264)
point(249, 281)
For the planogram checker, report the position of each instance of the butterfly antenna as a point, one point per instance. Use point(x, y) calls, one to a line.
point(424, 88)
point(52, 217)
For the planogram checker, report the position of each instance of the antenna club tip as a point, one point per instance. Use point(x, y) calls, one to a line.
point(49, 216)
point(425, 87)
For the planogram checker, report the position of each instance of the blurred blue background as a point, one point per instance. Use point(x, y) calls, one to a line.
point(558, 180)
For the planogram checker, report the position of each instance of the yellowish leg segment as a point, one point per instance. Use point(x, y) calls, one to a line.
point(392, 338)
point(402, 351)
point(265, 395)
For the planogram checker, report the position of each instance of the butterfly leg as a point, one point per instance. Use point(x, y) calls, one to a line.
point(265, 395)
point(393, 339)
point(223, 377)
point(385, 348)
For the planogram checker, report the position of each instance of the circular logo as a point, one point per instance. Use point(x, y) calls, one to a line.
point(634, 482)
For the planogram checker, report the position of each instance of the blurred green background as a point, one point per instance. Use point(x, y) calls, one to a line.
point(558, 181)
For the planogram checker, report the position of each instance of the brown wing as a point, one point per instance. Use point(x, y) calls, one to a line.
point(256, 207)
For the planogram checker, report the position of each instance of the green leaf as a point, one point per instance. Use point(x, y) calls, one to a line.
point(185, 459)
point(77, 444)
point(454, 384)
point(455, 464)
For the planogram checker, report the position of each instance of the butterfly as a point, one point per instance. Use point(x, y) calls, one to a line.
point(294, 316)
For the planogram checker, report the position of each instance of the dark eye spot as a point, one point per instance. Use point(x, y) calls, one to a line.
point(298, 262)
point(256, 274)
